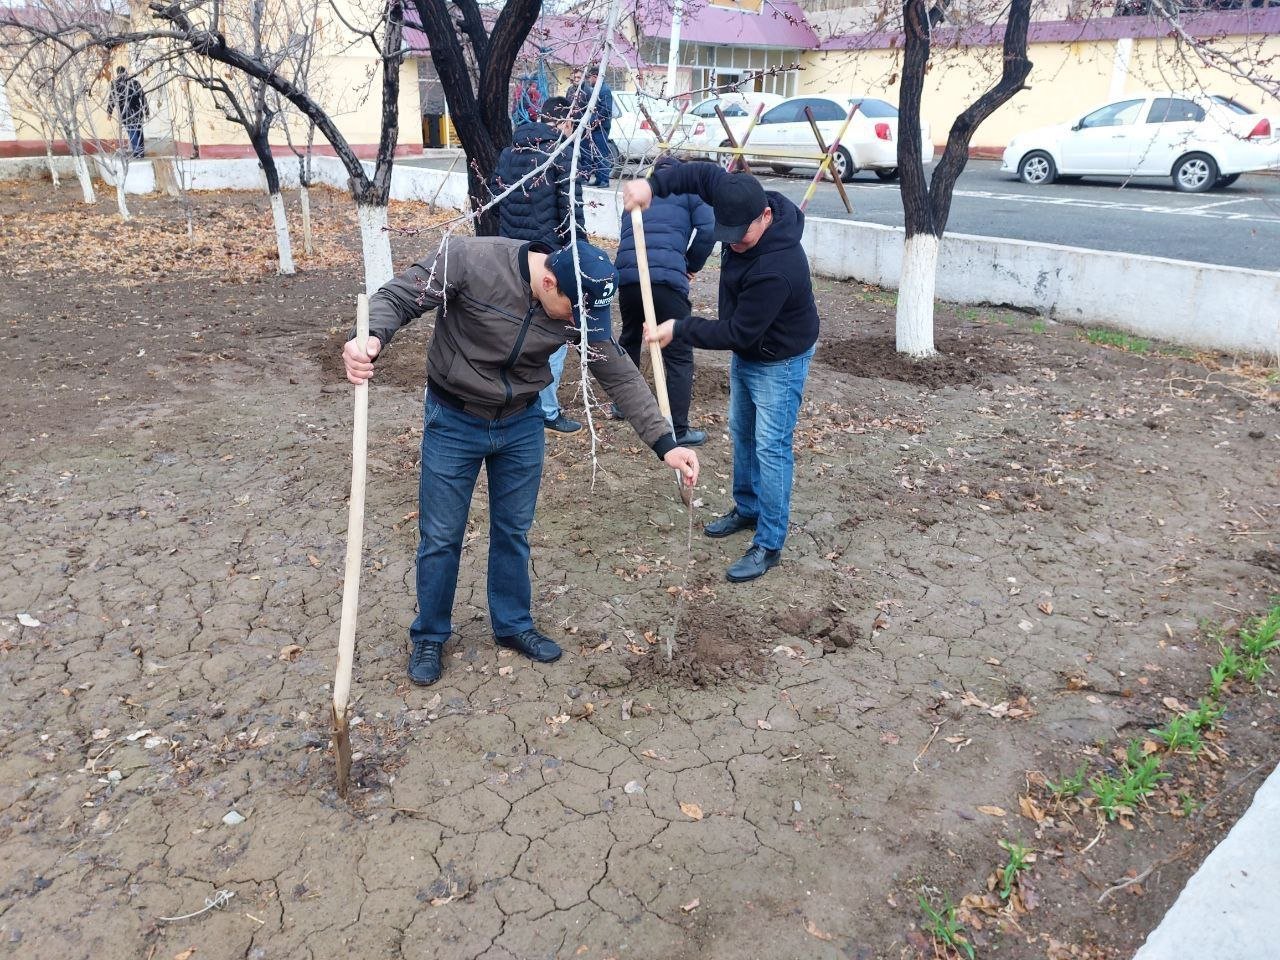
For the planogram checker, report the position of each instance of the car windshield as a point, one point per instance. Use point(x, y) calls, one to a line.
point(875, 109)
point(1235, 106)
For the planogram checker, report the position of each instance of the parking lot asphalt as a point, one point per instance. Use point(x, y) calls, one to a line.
point(1235, 226)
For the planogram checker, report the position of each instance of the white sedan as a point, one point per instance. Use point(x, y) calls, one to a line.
point(871, 142)
point(703, 125)
point(1201, 142)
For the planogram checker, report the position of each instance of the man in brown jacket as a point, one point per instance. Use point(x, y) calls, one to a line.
point(502, 308)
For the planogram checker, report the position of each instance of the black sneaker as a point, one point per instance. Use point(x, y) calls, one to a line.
point(756, 563)
point(615, 412)
point(729, 524)
point(563, 424)
point(533, 645)
point(424, 662)
point(692, 438)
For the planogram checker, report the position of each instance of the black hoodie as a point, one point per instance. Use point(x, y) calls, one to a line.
point(767, 311)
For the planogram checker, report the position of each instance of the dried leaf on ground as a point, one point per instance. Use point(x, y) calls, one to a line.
point(814, 931)
point(992, 811)
point(691, 810)
point(290, 652)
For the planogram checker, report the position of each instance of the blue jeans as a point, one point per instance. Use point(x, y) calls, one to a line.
point(549, 398)
point(764, 401)
point(136, 142)
point(454, 444)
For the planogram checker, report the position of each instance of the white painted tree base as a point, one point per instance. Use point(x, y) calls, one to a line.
point(86, 181)
point(304, 197)
point(283, 246)
point(375, 244)
point(915, 296)
point(53, 168)
point(120, 200)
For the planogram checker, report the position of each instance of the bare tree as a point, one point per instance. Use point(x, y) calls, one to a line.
point(197, 27)
point(246, 100)
point(302, 67)
point(926, 204)
point(478, 96)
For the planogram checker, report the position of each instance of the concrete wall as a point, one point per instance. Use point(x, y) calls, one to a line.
point(1197, 305)
point(1222, 308)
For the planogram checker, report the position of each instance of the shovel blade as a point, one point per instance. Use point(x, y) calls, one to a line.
point(342, 751)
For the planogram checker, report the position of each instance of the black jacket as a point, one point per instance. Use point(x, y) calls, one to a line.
point(767, 311)
point(669, 224)
point(128, 100)
point(539, 209)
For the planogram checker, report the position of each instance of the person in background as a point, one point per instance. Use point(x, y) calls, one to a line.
point(600, 156)
point(678, 239)
point(541, 210)
point(129, 102)
point(768, 318)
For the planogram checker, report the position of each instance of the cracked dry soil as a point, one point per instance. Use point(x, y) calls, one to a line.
point(175, 474)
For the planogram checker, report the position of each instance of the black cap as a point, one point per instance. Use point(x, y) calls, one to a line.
point(739, 199)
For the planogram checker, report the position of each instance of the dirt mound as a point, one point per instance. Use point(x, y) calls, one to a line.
point(876, 358)
point(1268, 560)
point(713, 645)
point(405, 364)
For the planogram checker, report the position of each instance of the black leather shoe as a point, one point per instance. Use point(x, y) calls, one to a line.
point(755, 564)
point(533, 645)
point(692, 438)
point(730, 523)
point(424, 662)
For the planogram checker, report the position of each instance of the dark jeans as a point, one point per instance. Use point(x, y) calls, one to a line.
point(454, 444)
point(599, 158)
point(764, 402)
point(137, 144)
point(677, 358)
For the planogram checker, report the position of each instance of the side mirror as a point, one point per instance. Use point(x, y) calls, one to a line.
point(1079, 125)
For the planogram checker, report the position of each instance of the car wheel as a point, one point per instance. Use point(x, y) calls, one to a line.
point(888, 175)
point(781, 169)
point(1195, 173)
point(843, 163)
point(1037, 168)
point(1227, 180)
point(616, 160)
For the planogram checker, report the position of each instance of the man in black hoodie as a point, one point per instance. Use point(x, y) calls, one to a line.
point(768, 318)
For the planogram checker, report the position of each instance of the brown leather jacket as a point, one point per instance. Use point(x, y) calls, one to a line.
point(492, 339)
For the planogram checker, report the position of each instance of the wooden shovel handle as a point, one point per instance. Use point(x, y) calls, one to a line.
point(650, 320)
point(355, 527)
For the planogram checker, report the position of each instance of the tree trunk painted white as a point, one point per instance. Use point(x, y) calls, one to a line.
point(120, 199)
point(53, 168)
point(86, 181)
point(375, 244)
point(304, 196)
point(915, 296)
point(283, 246)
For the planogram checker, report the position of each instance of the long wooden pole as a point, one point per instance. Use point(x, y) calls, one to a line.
point(651, 323)
point(351, 579)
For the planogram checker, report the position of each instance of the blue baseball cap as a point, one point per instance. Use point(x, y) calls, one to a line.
point(599, 284)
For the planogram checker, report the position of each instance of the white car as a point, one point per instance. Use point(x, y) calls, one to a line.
point(1201, 142)
point(631, 136)
point(870, 143)
point(703, 127)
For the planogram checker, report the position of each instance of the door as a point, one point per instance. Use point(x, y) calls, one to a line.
point(1103, 141)
point(1171, 129)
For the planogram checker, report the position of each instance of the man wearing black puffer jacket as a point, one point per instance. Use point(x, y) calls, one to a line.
point(677, 232)
point(768, 318)
point(539, 211)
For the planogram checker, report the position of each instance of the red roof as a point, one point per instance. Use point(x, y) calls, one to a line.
point(779, 23)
